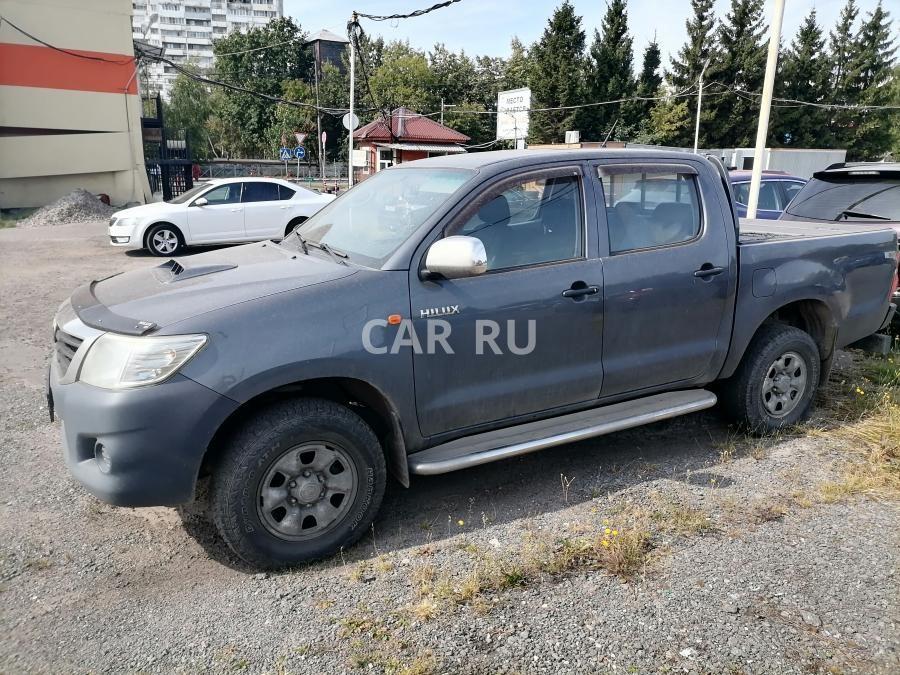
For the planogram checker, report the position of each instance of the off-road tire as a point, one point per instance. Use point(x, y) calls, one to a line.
point(741, 396)
point(167, 230)
point(257, 446)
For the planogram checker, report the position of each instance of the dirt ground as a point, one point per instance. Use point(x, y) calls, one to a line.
point(734, 560)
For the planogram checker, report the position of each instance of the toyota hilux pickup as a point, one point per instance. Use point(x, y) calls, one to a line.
point(442, 314)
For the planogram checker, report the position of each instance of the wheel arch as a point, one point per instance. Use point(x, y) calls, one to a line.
point(813, 316)
point(359, 396)
point(294, 222)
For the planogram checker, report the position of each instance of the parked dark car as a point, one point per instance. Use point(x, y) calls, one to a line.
point(862, 192)
point(443, 314)
point(776, 190)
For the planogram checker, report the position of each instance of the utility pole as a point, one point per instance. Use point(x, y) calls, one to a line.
point(765, 105)
point(445, 106)
point(318, 60)
point(352, 29)
point(699, 104)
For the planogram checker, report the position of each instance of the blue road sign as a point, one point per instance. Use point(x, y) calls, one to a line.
point(286, 154)
point(299, 152)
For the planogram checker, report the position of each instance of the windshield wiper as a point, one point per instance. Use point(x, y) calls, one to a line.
point(337, 255)
point(859, 214)
point(302, 242)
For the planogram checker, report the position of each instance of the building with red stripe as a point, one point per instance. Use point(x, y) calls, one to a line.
point(69, 103)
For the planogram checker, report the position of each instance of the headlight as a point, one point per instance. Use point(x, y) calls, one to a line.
point(125, 222)
point(122, 362)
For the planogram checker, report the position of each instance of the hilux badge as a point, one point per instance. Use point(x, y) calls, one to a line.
point(438, 311)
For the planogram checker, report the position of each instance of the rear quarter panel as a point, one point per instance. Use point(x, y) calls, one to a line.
point(850, 273)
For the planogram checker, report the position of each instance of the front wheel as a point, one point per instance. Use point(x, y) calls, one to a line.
point(164, 240)
point(776, 383)
point(299, 482)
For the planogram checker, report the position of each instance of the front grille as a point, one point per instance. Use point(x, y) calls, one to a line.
point(65, 345)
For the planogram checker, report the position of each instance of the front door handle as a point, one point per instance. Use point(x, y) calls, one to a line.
point(707, 270)
point(579, 290)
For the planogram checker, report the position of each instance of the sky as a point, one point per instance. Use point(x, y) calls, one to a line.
point(487, 26)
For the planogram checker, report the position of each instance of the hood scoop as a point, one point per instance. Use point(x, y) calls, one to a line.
point(172, 271)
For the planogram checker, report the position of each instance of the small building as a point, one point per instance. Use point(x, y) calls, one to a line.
point(69, 105)
point(328, 47)
point(411, 136)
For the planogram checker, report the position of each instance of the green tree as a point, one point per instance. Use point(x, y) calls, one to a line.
point(557, 75)
point(264, 71)
point(740, 64)
point(805, 76)
point(667, 123)
point(610, 76)
point(291, 118)
point(894, 99)
point(650, 80)
point(517, 69)
point(870, 75)
point(403, 79)
point(685, 70)
point(189, 110)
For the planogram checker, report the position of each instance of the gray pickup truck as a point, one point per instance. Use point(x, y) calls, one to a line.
point(442, 314)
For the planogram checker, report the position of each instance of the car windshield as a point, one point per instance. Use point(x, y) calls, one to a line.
point(371, 221)
point(189, 195)
point(845, 198)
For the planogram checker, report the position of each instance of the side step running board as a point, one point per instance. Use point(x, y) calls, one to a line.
point(524, 438)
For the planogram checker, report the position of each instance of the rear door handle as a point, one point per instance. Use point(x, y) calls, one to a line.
point(580, 291)
point(707, 270)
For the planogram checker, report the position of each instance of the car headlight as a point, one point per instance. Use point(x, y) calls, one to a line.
point(125, 222)
point(123, 362)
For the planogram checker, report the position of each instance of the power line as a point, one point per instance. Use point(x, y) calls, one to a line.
point(411, 15)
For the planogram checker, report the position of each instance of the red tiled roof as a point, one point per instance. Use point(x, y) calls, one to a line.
point(409, 126)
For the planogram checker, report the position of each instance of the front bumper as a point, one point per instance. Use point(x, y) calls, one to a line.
point(152, 438)
point(127, 236)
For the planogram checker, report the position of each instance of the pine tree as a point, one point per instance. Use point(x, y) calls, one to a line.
point(685, 69)
point(740, 65)
point(610, 76)
point(558, 75)
point(650, 80)
point(805, 75)
point(517, 71)
point(841, 48)
point(870, 74)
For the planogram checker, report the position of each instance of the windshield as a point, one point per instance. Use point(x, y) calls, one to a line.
point(848, 199)
point(372, 220)
point(189, 195)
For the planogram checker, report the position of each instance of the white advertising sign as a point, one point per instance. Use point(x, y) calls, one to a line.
point(512, 114)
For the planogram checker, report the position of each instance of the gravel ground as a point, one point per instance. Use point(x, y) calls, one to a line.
point(772, 583)
point(78, 206)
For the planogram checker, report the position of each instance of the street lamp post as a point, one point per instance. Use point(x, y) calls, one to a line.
point(699, 104)
point(765, 105)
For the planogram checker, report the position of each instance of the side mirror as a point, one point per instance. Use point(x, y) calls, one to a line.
point(200, 201)
point(456, 257)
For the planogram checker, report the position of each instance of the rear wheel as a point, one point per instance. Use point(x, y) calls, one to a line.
point(775, 384)
point(164, 240)
point(299, 482)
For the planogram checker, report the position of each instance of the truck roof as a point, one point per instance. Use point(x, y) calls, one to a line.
point(521, 158)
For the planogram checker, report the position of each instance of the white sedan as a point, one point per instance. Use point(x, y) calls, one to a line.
point(221, 211)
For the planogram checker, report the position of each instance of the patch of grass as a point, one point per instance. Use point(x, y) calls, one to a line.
point(675, 518)
point(767, 511)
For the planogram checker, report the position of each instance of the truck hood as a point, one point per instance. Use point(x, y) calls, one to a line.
point(141, 301)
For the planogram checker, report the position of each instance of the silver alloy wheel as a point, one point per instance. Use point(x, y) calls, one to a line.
point(307, 491)
point(164, 241)
point(784, 384)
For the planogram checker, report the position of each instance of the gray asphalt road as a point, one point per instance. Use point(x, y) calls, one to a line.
point(88, 587)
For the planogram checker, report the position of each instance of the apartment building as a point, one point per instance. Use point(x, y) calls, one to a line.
point(186, 30)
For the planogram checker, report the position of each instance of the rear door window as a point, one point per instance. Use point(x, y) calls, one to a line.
point(650, 207)
point(260, 192)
